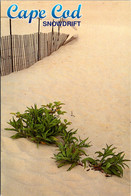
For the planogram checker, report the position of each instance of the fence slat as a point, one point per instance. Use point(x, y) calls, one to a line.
point(13, 51)
point(3, 71)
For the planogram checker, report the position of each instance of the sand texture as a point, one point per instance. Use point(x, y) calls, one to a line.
point(91, 76)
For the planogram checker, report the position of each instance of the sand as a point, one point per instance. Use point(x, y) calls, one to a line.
point(91, 76)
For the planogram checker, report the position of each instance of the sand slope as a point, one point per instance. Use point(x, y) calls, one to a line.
point(91, 76)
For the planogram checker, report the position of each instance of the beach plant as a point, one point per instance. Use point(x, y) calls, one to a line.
point(68, 136)
point(108, 162)
point(41, 125)
point(71, 150)
point(44, 125)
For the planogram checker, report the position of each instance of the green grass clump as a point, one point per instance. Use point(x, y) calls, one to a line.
point(41, 125)
point(108, 162)
point(71, 150)
point(44, 125)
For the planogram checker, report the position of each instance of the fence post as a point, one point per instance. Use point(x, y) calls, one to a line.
point(39, 38)
point(58, 31)
point(11, 43)
point(52, 38)
point(53, 28)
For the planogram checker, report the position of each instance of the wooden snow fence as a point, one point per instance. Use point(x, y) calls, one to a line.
point(21, 51)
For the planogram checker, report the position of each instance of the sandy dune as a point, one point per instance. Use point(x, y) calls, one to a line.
point(91, 76)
